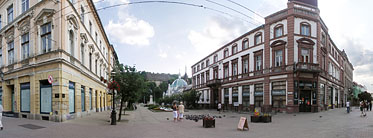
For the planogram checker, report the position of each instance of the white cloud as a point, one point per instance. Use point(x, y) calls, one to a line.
point(130, 31)
point(218, 31)
point(162, 54)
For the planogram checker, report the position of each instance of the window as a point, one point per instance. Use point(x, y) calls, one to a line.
point(202, 65)
point(1, 57)
point(207, 75)
point(10, 13)
point(234, 49)
point(258, 61)
point(323, 39)
point(226, 97)
point(323, 62)
point(82, 95)
point(279, 31)
point(11, 52)
point(278, 58)
point(25, 5)
point(226, 53)
point(279, 94)
point(203, 78)
point(96, 67)
point(245, 66)
point(234, 68)
point(305, 55)
point(96, 36)
point(0, 22)
point(90, 61)
point(226, 71)
point(207, 63)
point(234, 95)
point(215, 58)
point(25, 97)
point(305, 29)
point(90, 28)
point(258, 95)
point(216, 73)
point(82, 14)
point(258, 38)
point(245, 44)
point(82, 53)
point(72, 43)
point(198, 68)
point(46, 40)
point(246, 97)
point(25, 46)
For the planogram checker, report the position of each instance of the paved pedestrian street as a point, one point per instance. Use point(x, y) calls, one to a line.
point(142, 123)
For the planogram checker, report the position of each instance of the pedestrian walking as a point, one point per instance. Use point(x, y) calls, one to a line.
point(219, 107)
point(174, 111)
point(348, 106)
point(366, 106)
point(361, 108)
point(181, 111)
point(1, 117)
point(370, 105)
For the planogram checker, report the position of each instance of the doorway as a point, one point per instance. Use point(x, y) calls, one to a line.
point(305, 101)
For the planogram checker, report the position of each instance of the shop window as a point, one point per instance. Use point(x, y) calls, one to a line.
point(258, 95)
point(246, 96)
point(82, 95)
point(71, 97)
point(45, 97)
point(279, 94)
point(25, 97)
point(226, 97)
point(234, 95)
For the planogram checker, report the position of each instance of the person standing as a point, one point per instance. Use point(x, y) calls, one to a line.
point(181, 111)
point(362, 108)
point(366, 106)
point(1, 117)
point(219, 107)
point(348, 106)
point(370, 105)
point(174, 111)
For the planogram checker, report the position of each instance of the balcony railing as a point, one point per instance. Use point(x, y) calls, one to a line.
point(214, 82)
point(307, 67)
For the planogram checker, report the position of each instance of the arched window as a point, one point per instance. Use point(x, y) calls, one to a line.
point(234, 49)
point(245, 44)
point(279, 30)
point(305, 29)
point(71, 41)
point(258, 38)
point(226, 53)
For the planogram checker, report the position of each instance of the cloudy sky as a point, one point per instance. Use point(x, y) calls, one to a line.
point(164, 37)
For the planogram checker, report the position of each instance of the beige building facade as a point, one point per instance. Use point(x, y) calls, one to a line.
point(55, 59)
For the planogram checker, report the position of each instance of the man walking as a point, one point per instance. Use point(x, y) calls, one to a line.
point(219, 107)
point(348, 106)
point(181, 111)
point(1, 116)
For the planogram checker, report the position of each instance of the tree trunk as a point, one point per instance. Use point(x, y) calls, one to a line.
point(120, 110)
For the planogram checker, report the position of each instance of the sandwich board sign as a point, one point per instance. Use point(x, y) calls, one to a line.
point(242, 124)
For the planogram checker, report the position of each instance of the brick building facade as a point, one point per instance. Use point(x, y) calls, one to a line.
point(288, 64)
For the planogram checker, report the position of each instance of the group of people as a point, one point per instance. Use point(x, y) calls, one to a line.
point(365, 106)
point(178, 111)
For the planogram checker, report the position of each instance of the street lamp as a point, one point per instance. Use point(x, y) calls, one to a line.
point(113, 111)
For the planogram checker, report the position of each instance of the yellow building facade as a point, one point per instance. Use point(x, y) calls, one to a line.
point(55, 59)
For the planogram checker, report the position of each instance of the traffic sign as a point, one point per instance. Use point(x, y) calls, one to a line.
point(50, 79)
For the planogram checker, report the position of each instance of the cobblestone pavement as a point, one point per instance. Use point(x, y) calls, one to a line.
point(142, 123)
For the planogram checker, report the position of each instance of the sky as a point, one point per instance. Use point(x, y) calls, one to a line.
point(166, 38)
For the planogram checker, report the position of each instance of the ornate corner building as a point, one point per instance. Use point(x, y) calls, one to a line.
point(288, 64)
point(55, 59)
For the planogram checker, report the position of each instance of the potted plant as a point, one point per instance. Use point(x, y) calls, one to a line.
point(208, 122)
point(256, 117)
point(266, 118)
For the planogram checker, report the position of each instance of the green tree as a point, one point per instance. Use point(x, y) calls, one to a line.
point(131, 84)
point(365, 96)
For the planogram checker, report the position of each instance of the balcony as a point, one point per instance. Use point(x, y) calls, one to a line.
point(213, 83)
point(307, 67)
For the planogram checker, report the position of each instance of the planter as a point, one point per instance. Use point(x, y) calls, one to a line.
point(255, 119)
point(266, 119)
point(261, 119)
point(208, 123)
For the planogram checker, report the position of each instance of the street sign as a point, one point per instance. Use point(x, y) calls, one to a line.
point(50, 79)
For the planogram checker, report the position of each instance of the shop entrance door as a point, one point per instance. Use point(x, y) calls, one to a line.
point(305, 101)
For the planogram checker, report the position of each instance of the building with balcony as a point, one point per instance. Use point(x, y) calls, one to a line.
point(289, 64)
point(55, 59)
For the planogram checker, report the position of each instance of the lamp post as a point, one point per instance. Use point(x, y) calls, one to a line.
point(113, 111)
